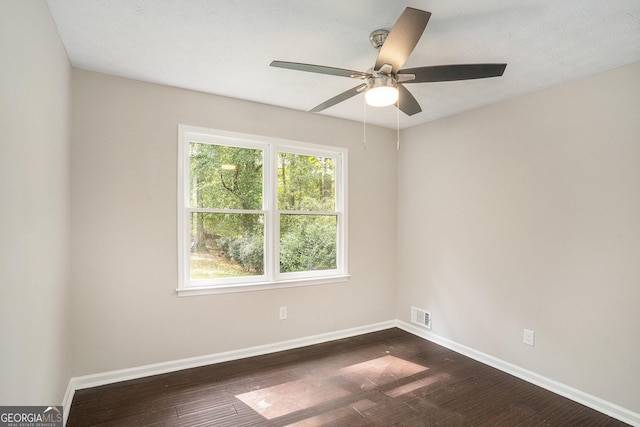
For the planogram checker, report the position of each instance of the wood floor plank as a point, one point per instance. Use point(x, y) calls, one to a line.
point(386, 378)
point(513, 415)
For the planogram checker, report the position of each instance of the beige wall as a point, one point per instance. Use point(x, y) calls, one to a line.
point(526, 214)
point(124, 274)
point(34, 211)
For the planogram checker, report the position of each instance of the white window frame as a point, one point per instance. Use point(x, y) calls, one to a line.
point(272, 278)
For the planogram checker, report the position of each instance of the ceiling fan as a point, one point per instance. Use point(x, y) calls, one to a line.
point(384, 83)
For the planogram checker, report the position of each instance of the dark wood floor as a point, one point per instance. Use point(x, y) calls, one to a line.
point(387, 378)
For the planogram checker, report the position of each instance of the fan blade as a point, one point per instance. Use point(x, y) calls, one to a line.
point(339, 98)
point(446, 73)
point(320, 69)
point(407, 103)
point(402, 38)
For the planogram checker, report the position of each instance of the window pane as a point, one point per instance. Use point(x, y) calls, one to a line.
point(226, 245)
point(306, 182)
point(225, 177)
point(308, 242)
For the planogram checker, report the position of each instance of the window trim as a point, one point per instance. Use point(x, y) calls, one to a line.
point(272, 278)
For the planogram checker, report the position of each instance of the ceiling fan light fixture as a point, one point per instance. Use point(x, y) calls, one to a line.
point(382, 91)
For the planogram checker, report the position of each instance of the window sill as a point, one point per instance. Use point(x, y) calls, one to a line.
point(262, 286)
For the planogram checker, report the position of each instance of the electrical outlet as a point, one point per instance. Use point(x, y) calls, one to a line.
point(283, 313)
point(528, 337)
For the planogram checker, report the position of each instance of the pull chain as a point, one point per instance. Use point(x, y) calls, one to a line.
point(364, 123)
point(397, 127)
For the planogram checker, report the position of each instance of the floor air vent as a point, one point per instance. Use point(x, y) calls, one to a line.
point(421, 317)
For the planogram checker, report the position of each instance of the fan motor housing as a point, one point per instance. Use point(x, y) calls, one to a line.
point(381, 80)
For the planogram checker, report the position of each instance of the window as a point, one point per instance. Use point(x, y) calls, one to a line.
point(257, 212)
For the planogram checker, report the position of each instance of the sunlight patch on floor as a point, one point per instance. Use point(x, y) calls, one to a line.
point(380, 371)
point(293, 396)
point(290, 397)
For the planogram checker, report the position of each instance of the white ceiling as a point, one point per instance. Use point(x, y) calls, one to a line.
point(225, 47)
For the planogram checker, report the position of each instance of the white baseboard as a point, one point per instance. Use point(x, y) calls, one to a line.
point(66, 402)
point(600, 405)
point(576, 395)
